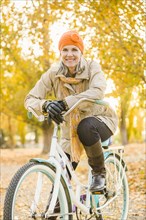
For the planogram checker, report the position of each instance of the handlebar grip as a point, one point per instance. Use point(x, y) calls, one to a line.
point(101, 102)
point(29, 115)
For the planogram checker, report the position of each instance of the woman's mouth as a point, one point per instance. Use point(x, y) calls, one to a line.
point(70, 60)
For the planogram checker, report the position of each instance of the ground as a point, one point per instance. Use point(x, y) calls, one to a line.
point(134, 156)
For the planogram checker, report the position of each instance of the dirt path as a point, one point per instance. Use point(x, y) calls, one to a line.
point(11, 160)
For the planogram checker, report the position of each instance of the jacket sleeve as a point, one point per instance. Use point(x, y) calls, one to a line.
point(97, 86)
point(36, 97)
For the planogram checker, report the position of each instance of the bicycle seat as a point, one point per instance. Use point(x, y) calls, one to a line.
point(107, 143)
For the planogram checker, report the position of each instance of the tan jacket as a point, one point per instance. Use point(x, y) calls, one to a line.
point(94, 88)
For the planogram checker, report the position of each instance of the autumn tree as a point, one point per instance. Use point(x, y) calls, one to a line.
point(112, 32)
point(12, 81)
point(23, 31)
point(115, 32)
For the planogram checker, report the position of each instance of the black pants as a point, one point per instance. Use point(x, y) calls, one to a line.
point(90, 130)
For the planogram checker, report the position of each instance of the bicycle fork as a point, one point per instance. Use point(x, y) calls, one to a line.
point(53, 200)
point(56, 164)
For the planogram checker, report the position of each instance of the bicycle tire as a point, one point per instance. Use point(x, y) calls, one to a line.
point(22, 179)
point(116, 182)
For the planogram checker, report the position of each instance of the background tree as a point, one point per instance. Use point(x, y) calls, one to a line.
point(112, 32)
point(115, 30)
point(27, 56)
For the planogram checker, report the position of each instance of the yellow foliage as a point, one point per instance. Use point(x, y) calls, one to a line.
point(113, 32)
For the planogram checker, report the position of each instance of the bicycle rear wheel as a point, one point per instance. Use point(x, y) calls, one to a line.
point(116, 185)
point(22, 202)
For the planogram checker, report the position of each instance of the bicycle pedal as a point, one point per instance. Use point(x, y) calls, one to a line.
point(101, 192)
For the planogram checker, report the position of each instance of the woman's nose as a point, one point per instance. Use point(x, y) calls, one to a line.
point(69, 53)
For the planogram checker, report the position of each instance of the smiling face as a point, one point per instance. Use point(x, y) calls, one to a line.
point(70, 56)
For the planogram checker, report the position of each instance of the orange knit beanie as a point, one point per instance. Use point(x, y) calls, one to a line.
point(71, 38)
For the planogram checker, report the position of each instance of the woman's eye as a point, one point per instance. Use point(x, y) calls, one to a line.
point(65, 50)
point(74, 49)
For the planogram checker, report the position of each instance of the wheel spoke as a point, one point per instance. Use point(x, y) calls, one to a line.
point(29, 192)
point(114, 205)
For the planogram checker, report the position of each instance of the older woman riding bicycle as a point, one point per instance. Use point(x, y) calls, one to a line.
point(87, 126)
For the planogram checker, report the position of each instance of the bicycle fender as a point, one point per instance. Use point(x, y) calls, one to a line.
point(107, 154)
point(42, 161)
point(39, 160)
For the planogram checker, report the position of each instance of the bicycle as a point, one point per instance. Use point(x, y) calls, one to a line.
point(41, 184)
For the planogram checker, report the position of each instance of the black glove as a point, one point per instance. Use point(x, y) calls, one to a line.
point(55, 110)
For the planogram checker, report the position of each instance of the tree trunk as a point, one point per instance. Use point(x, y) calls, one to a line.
point(123, 129)
point(47, 128)
point(36, 136)
point(11, 141)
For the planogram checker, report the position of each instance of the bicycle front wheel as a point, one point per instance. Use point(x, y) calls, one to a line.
point(116, 185)
point(30, 192)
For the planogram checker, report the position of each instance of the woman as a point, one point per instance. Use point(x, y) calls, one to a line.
point(87, 126)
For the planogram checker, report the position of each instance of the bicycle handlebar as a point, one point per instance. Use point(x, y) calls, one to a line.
point(76, 104)
point(42, 117)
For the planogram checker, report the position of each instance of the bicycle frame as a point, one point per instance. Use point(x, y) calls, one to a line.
point(60, 161)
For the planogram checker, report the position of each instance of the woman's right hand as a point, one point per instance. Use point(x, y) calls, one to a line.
point(54, 108)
